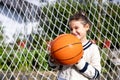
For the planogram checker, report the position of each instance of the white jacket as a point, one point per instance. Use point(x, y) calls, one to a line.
point(87, 68)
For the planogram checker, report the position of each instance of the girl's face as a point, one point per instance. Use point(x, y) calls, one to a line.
point(79, 29)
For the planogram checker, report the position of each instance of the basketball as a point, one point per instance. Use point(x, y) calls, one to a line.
point(66, 49)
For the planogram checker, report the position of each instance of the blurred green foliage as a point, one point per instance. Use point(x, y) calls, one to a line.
point(22, 59)
point(105, 20)
point(105, 25)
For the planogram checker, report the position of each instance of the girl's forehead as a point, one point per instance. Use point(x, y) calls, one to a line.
point(76, 22)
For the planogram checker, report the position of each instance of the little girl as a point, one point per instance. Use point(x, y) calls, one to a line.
point(89, 66)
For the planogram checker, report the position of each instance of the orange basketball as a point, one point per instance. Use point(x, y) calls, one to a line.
point(66, 49)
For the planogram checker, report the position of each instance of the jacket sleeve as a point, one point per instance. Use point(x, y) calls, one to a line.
point(90, 70)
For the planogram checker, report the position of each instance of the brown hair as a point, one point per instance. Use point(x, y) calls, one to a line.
point(81, 15)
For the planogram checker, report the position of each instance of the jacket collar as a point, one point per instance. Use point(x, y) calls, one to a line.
point(86, 45)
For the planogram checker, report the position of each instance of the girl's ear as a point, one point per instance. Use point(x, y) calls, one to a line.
point(87, 26)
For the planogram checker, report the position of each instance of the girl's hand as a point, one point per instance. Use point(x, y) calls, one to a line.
point(49, 46)
point(49, 50)
point(53, 60)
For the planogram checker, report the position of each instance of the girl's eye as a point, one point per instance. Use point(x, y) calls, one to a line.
point(76, 27)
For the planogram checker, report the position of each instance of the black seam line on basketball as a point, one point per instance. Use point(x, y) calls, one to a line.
point(70, 58)
point(65, 46)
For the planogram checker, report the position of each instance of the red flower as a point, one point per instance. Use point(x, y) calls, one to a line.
point(107, 43)
point(22, 44)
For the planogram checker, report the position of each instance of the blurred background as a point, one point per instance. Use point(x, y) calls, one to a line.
point(27, 26)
